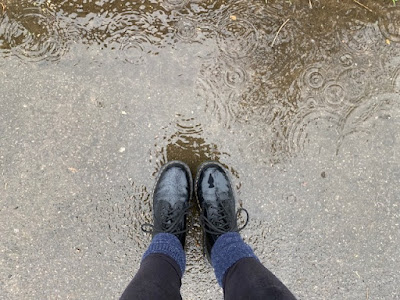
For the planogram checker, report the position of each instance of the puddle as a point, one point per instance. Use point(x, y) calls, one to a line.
point(255, 86)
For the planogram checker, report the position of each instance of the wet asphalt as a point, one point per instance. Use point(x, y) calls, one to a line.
point(300, 101)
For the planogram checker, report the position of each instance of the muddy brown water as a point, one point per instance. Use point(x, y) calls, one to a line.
point(300, 100)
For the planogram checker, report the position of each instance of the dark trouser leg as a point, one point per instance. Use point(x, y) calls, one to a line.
point(158, 278)
point(240, 273)
point(161, 270)
point(249, 279)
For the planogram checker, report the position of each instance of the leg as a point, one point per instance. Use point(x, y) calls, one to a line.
point(241, 274)
point(249, 279)
point(236, 266)
point(161, 270)
point(158, 278)
point(163, 264)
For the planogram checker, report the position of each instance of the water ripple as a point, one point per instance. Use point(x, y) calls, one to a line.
point(183, 140)
point(4, 45)
point(122, 213)
point(221, 84)
point(215, 84)
point(120, 26)
point(356, 83)
point(334, 94)
point(35, 35)
point(304, 127)
point(314, 77)
point(228, 108)
point(237, 37)
point(235, 77)
point(186, 29)
point(389, 24)
point(134, 48)
point(396, 80)
point(207, 44)
point(346, 60)
point(360, 37)
point(359, 118)
point(174, 4)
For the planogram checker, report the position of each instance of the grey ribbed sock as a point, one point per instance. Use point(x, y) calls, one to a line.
point(168, 244)
point(227, 250)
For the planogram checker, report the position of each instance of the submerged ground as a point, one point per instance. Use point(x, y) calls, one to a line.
point(300, 100)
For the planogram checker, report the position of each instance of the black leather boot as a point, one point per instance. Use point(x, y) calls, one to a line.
point(216, 200)
point(171, 198)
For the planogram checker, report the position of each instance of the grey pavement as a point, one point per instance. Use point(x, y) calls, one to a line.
point(309, 128)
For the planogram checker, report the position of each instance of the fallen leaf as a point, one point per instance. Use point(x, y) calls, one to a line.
point(73, 170)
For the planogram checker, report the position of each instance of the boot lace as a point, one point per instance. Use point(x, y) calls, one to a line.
point(171, 223)
point(216, 225)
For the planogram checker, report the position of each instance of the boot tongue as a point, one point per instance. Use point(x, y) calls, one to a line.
point(168, 212)
point(169, 208)
point(217, 215)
